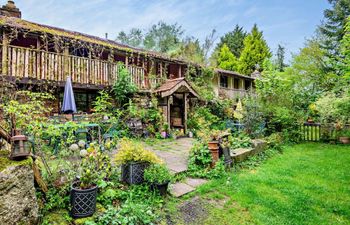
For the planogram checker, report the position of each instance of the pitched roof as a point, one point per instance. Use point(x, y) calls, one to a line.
point(228, 72)
point(171, 86)
point(41, 28)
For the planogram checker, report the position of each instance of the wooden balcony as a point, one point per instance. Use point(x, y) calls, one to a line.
point(42, 65)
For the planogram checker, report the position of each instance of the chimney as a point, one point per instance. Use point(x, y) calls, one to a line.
point(10, 10)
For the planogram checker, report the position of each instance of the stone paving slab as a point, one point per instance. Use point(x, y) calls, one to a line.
point(179, 189)
point(189, 185)
point(195, 182)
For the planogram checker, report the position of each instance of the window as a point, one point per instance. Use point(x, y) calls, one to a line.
point(83, 101)
point(247, 84)
point(223, 81)
point(236, 83)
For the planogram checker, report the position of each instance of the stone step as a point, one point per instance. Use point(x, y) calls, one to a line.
point(181, 188)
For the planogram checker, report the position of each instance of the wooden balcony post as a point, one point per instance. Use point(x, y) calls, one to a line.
point(5, 43)
point(126, 61)
point(66, 62)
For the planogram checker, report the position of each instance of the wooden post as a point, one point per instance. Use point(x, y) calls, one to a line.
point(180, 74)
point(66, 62)
point(168, 111)
point(161, 69)
point(5, 43)
point(185, 112)
point(126, 61)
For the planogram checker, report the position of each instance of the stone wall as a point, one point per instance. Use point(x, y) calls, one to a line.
point(18, 203)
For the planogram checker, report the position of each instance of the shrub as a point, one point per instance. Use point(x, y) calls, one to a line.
point(130, 151)
point(241, 141)
point(123, 87)
point(157, 173)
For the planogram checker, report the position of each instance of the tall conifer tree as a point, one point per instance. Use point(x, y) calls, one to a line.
point(254, 53)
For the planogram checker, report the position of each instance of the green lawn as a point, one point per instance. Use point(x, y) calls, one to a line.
point(307, 184)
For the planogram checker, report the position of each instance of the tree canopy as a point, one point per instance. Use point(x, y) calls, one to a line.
point(234, 40)
point(226, 59)
point(254, 53)
point(333, 26)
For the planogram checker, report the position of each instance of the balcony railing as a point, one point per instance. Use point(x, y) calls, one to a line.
point(234, 93)
point(22, 62)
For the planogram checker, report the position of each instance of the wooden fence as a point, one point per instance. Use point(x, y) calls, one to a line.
point(319, 132)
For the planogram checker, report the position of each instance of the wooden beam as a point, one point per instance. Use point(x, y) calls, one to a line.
point(5, 43)
point(168, 111)
point(185, 112)
point(4, 135)
point(66, 63)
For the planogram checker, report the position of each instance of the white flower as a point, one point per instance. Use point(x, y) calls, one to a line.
point(81, 144)
point(74, 147)
point(83, 152)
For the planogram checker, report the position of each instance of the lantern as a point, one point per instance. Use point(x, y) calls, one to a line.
point(20, 147)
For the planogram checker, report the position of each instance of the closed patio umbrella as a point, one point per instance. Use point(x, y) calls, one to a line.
point(68, 104)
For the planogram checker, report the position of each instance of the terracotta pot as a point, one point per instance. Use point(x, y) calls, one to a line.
point(344, 140)
point(213, 144)
point(214, 150)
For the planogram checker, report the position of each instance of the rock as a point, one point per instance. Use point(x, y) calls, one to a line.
point(18, 203)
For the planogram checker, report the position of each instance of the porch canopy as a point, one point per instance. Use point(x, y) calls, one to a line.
point(175, 94)
point(178, 85)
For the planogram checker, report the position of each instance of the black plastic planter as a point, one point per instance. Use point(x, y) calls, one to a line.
point(132, 173)
point(83, 201)
point(162, 188)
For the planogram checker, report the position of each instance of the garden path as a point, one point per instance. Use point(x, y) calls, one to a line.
point(174, 153)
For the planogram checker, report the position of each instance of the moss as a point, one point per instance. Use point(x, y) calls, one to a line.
point(59, 217)
point(6, 162)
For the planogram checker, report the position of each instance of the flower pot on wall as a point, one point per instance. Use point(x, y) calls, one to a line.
point(344, 140)
point(214, 150)
point(83, 201)
point(132, 173)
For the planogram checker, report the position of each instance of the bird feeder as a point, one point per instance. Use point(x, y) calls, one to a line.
point(20, 147)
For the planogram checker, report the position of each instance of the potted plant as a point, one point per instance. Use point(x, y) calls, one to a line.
point(95, 166)
point(158, 176)
point(84, 190)
point(213, 145)
point(344, 136)
point(163, 133)
point(134, 159)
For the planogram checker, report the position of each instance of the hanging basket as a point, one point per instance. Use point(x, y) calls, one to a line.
point(83, 201)
point(132, 173)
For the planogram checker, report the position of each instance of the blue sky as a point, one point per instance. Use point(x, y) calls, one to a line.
point(286, 22)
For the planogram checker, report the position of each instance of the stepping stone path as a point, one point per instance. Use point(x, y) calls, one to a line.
point(189, 185)
point(175, 155)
